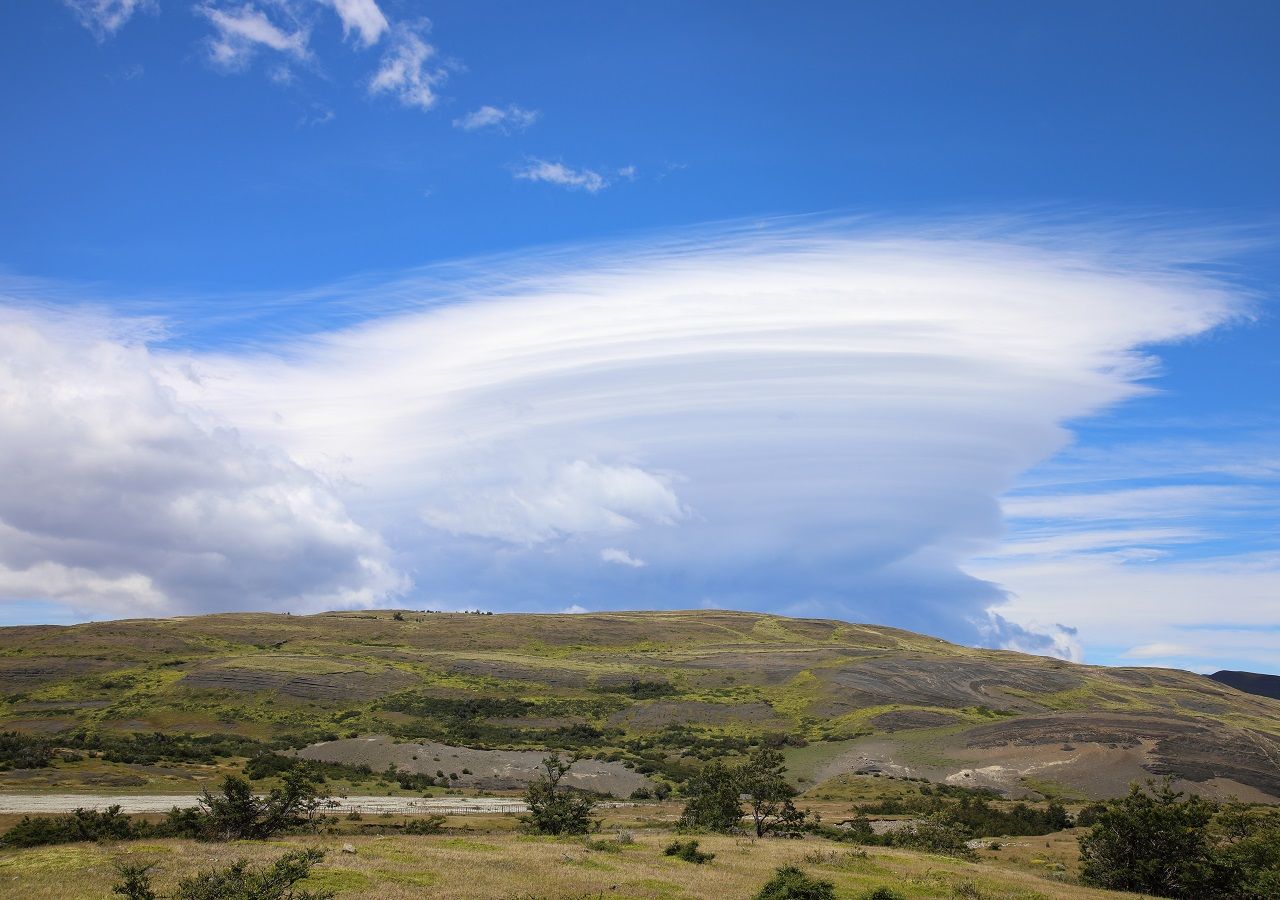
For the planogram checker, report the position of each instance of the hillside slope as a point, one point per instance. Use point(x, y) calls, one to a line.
point(1250, 682)
point(662, 691)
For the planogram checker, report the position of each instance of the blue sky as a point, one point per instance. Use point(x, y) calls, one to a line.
point(280, 238)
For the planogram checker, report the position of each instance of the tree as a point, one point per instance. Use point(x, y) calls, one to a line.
point(235, 813)
point(232, 814)
point(554, 809)
point(1152, 842)
point(1249, 852)
point(714, 801)
point(762, 779)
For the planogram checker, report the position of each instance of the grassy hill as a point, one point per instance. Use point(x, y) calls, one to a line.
point(659, 692)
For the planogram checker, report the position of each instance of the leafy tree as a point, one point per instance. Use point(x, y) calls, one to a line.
point(1152, 842)
point(235, 813)
point(762, 779)
point(714, 801)
point(790, 883)
point(554, 809)
point(1248, 854)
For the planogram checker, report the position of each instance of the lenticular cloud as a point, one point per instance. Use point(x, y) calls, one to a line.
point(812, 423)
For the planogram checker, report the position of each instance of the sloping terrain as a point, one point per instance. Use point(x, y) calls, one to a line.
point(1250, 682)
point(656, 692)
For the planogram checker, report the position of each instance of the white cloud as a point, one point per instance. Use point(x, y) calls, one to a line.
point(1150, 572)
point(812, 421)
point(558, 173)
point(621, 558)
point(1201, 606)
point(243, 30)
point(1129, 504)
point(406, 69)
point(1156, 650)
point(363, 17)
point(507, 119)
point(121, 499)
point(574, 610)
point(628, 172)
point(579, 498)
point(105, 17)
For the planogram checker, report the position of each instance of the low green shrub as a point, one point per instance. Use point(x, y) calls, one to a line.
point(688, 851)
point(790, 883)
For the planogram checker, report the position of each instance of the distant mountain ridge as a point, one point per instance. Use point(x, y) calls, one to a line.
point(1250, 682)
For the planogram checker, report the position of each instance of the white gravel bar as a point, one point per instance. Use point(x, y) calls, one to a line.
point(149, 803)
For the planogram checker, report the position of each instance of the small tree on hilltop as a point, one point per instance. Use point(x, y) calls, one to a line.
point(554, 809)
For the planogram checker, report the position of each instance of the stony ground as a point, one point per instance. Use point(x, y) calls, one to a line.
point(493, 770)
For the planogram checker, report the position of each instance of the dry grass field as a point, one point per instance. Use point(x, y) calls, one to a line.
point(475, 860)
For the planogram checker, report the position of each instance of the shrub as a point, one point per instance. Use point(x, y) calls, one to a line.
point(688, 851)
point(238, 881)
point(789, 883)
point(81, 825)
point(1151, 842)
point(557, 810)
point(135, 881)
point(884, 893)
point(24, 751)
point(425, 825)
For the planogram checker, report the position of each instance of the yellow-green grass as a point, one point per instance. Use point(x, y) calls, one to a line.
point(510, 865)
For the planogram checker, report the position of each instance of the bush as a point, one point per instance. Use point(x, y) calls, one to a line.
point(81, 825)
point(238, 881)
point(1158, 842)
point(135, 881)
point(884, 893)
point(556, 810)
point(688, 851)
point(24, 751)
point(425, 825)
point(932, 835)
point(789, 883)
point(1151, 842)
